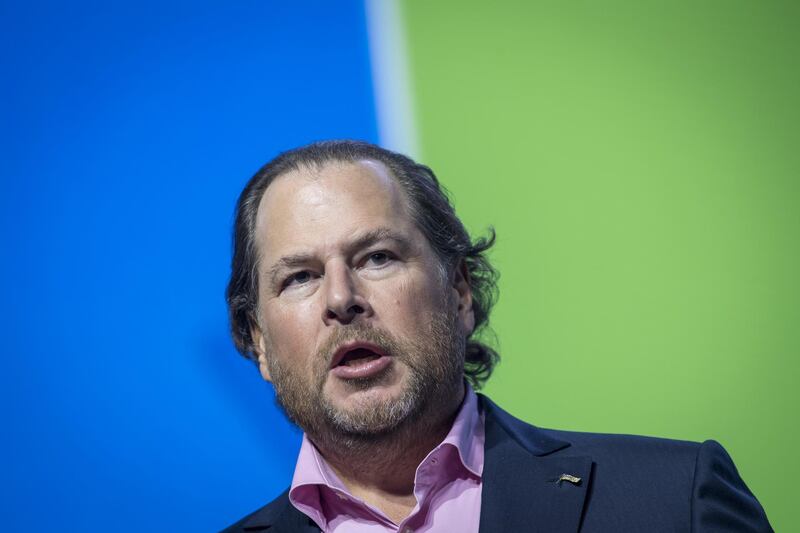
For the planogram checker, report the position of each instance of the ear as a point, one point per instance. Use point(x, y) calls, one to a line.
point(260, 350)
point(463, 289)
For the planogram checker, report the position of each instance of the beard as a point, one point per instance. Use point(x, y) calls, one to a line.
point(434, 359)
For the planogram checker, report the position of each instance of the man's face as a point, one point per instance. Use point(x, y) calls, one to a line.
point(360, 327)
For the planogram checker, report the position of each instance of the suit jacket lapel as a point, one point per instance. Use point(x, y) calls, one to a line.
point(521, 487)
point(521, 491)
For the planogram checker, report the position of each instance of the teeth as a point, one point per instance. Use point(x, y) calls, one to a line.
point(361, 360)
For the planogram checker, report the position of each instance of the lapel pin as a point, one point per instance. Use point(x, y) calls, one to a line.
point(567, 477)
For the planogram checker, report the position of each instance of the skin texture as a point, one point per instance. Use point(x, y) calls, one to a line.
point(340, 261)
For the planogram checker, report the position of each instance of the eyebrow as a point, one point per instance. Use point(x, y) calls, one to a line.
point(359, 241)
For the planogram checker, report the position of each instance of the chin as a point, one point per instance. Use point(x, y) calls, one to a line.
point(373, 411)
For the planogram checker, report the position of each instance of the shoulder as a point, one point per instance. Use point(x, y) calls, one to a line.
point(543, 440)
point(692, 479)
point(631, 447)
point(635, 455)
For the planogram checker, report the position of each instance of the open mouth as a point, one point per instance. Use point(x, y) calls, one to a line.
point(357, 360)
point(354, 353)
point(358, 356)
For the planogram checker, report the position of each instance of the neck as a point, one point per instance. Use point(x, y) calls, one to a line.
point(380, 470)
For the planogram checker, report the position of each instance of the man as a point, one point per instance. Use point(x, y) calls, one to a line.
point(358, 292)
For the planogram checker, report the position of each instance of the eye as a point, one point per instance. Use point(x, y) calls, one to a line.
point(378, 258)
point(298, 278)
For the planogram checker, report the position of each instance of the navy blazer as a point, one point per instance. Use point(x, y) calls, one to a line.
point(618, 483)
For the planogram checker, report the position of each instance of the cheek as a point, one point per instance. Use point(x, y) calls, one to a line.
point(406, 293)
point(417, 300)
point(290, 327)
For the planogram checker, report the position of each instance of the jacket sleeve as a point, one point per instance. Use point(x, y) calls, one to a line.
point(720, 499)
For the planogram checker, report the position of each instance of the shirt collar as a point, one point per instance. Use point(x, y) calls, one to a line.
point(466, 435)
point(312, 472)
point(313, 469)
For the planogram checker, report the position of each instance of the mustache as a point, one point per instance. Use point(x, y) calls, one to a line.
point(359, 332)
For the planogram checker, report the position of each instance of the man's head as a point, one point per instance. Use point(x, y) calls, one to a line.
point(356, 287)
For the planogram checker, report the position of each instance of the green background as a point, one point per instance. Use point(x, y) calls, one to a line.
point(639, 161)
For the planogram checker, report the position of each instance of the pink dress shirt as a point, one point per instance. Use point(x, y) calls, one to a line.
point(447, 486)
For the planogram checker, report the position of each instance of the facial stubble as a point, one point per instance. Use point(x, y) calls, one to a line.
point(434, 360)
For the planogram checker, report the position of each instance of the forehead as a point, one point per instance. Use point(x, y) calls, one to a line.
point(313, 207)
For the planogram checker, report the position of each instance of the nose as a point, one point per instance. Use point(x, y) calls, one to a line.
point(344, 301)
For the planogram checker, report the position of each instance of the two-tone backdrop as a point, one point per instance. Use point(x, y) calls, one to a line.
point(639, 162)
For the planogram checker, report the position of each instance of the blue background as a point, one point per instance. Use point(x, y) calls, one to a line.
point(128, 132)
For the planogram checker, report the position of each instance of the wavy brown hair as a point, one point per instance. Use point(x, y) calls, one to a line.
point(431, 210)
